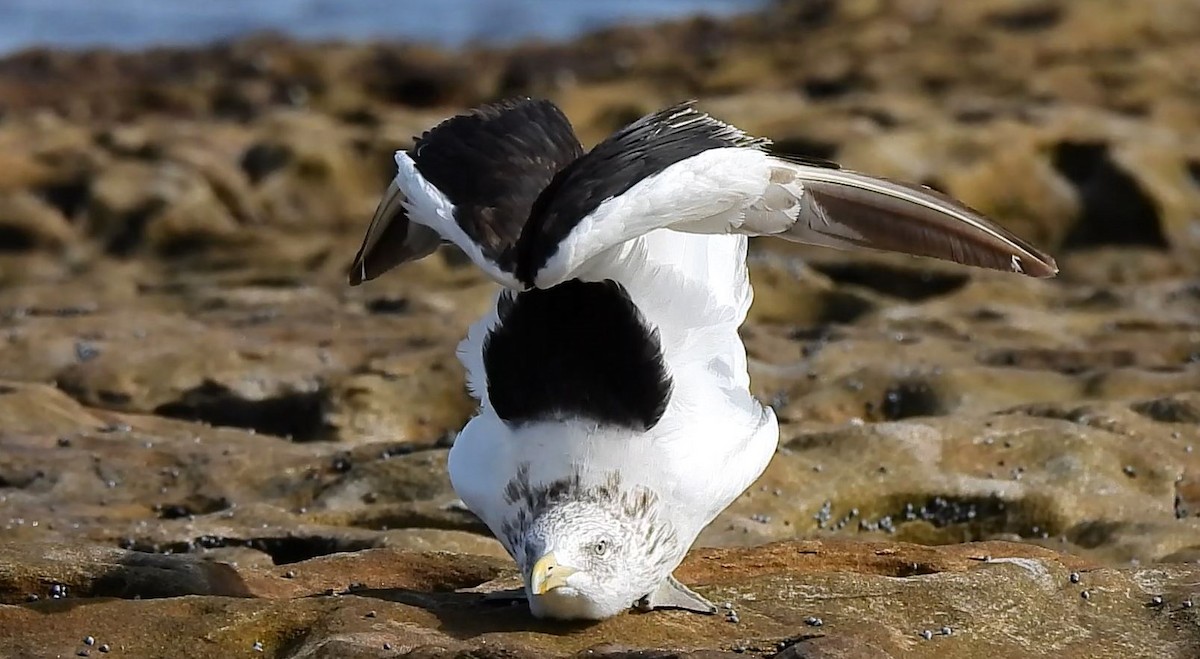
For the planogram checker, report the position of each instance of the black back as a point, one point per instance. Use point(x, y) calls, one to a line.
point(492, 163)
point(575, 349)
point(640, 150)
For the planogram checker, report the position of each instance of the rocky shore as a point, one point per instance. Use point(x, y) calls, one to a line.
point(210, 446)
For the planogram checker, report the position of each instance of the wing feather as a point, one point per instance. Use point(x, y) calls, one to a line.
point(724, 181)
point(845, 209)
point(507, 183)
point(471, 180)
point(391, 239)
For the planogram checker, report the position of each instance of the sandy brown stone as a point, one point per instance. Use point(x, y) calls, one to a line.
point(791, 600)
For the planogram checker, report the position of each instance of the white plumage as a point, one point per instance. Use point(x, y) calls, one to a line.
point(631, 430)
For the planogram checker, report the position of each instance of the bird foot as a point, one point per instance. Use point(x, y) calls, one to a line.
point(674, 595)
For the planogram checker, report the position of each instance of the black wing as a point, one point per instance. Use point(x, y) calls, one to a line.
point(800, 199)
point(638, 151)
point(490, 164)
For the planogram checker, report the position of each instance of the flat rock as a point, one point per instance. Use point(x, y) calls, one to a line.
point(793, 599)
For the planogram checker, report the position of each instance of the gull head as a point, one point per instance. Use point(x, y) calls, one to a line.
point(593, 559)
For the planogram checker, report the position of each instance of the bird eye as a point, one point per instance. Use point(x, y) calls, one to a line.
point(600, 548)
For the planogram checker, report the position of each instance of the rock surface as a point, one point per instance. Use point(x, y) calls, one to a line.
point(206, 432)
point(832, 598)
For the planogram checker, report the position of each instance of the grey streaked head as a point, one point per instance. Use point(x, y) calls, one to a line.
point(588, 552)
point(584, 560)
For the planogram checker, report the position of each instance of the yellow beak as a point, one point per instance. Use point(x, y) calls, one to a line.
point(548, 574)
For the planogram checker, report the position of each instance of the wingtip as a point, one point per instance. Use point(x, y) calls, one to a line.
point(357, 272)
point(1032, 262)
point(850, 209)
point(1051, 269)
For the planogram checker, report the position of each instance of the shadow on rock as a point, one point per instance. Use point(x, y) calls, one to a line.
point(467, 615)
point(30, 572)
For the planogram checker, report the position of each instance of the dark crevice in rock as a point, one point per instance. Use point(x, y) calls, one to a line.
point(186, 244)
point(291, 549)
point(911, 569)
point(389, 305)
point(361, 116)
point(69, 197)
point(1091, 535)
point(971, 518)
point(1193, 168)
point(297, 415)
point(787, 646)
point(822, 88)
point(200, 505)
point(905, 283)
point(1082, 415)
point(1170, 410)
point(911, 398)
point(987, 315)
point(396, 78)
point(945, 511)
point(936, 84)
point(114, 399)
point(814, 339)
point(20, 479)
point(816, 333)
point(128, 236)
point(810, 14)
point(57, 312)
point(384, 517)
point(1033, 18)
point(282, 549)
point(16, 239)
point(1067, 362)
point(263, 159)
point(229, 101)
point(844, 307)
point(975, 115)
point(279, 281)
point(1115, 208)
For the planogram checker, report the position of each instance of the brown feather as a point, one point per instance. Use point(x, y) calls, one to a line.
point(391, 239)
point(845, 209)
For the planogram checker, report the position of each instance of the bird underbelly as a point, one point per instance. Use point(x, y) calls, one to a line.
point(711, 480)
point(492, 468)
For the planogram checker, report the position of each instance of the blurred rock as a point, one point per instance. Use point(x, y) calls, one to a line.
point(27, 223)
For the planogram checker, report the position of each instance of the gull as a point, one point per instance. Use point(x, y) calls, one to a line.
point(615, 417)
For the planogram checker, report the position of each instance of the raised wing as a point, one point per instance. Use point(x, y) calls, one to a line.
point(472, 180)
point(391, 239)
point(683, 170)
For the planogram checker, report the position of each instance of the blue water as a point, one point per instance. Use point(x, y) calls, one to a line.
point(141, 23)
